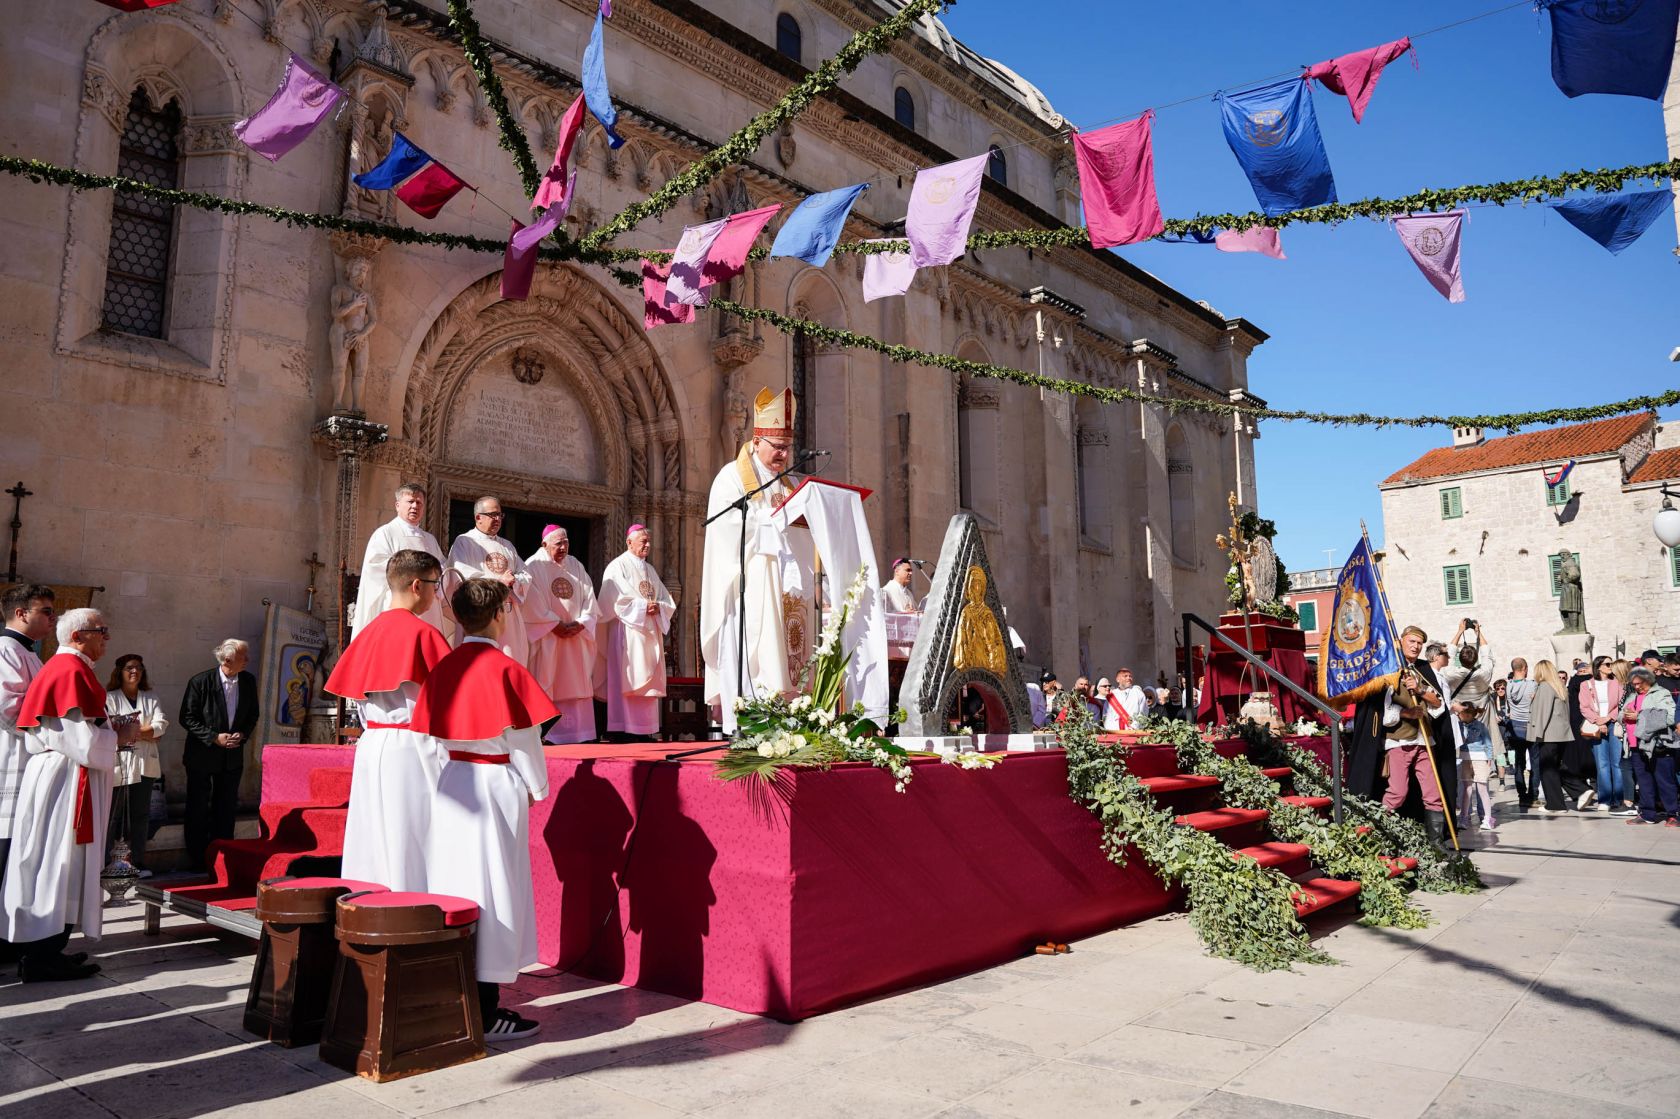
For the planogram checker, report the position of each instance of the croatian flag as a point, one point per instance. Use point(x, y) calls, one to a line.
point(712, 253)
point(423, 183)
point(1555, 478)
point(304, 100)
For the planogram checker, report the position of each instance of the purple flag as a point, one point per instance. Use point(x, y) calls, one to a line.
point(887, 274)
point(941, 209)
point(1433, 241)
point(303, 101)
point(519, 263)
point(606, 8)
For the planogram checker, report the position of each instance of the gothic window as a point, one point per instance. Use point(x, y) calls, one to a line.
point(904, 108)
point(965, 455)
point(142, 230)
point(804, 390)
point(996, 166)
point(1181, 494)
point(790, 40)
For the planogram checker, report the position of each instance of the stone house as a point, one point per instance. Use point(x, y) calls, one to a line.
point(1474, 530)
point(171, 389)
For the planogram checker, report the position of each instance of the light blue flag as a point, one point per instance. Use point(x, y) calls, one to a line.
point(1615, 220)
point(813, 229)
point(403, 160)
point(595, 92)
point(1273, 132)
point(1363, 645)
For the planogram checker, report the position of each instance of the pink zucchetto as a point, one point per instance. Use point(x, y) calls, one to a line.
point(551, 530)
point(634, 529)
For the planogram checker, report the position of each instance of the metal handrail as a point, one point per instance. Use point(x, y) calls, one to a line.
point(1334, 717)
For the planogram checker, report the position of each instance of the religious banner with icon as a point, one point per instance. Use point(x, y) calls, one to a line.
point(1360, 647)
point(289, 673)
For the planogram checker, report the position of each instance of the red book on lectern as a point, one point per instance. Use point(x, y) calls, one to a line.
point(813, 480)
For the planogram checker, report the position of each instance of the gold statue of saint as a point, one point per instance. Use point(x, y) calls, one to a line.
point(979, 642)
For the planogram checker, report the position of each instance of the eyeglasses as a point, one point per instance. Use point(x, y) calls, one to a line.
point(103, 631)
point(433, 582)
point(492, 516)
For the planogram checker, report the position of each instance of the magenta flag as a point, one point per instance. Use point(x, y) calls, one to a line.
point(519, 263)
point(728, 254)
point(1117, 183)
point(655, 311)
point(1433, 241)
point(1356, 74)
point(942, 204)
point(429, 190)
point(554, 181)
point(303, 101)
point(1261, 239)
point(887, 274)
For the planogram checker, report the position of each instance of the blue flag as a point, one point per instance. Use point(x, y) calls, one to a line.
point(1362, 645)
point(1615, 220)
point(1273, 132)
point(595, 85)
point(403, 160)
point(1613, 46)
point(813, 229)
point(1189, 237)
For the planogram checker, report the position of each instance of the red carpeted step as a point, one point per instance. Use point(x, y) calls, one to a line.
point(329, 786)
point(1398, 865)
point(1179, 783)
point(1324, 892)
point(1317, 804)
point(1277, 853)
point(1222, 819)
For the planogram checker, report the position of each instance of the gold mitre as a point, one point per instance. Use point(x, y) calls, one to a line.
point(773, 413)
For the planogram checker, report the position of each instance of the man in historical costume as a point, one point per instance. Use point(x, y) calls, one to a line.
point(896, 595)
point(396, 770)
point(481, 553)
point(1394, 738)
point(779, 577)
point(636, 612)
point(219, 713)
point(563, 659)
point(486, 711)
point(28, 608)
point(58, 831)
point(401, 532)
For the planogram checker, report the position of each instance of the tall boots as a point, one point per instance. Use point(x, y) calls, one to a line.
point(1436, 824)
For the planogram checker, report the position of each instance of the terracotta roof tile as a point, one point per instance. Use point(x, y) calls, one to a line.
point(1554, 444)
point(1659, 466)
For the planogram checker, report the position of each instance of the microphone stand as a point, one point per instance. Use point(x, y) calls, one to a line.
point(740, 503)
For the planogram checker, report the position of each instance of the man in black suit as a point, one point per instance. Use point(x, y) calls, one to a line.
point(218, 712)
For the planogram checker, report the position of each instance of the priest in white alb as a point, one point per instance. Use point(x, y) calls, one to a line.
point(563, 659)
point(780, 571)
point(636, 612)
point(482, 553)
point(400, 533)
point(896, 595)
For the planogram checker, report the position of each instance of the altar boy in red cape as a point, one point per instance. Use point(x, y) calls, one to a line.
point(487, 711)
point(396, 770)
point(58, 832)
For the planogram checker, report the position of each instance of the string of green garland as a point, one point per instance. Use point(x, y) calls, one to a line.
point(740, 147)
point(465, 26)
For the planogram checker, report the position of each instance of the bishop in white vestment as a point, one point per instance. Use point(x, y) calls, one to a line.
point(780, 571)
point(563, 659)
point(401, 532)
point(896, 596)
point(481, 553)
point(636, 612)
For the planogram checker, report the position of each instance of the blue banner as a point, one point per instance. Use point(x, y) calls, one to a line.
point(595, 92)
point(403, 160)
point(1362, 644)
point(1273, 132)
point(813, 229)
point(1613, 46)
point(1615, 220)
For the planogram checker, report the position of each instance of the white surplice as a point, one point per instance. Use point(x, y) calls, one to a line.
point(18, 666)
point(564, 664)
point(373, 595)
point(51, 880)
point(479, 555)
point(896, 599)
point(781, 627)
point(630, 667)
point(392, 782)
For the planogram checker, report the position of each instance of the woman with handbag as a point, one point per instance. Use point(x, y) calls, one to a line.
point(1600, 703)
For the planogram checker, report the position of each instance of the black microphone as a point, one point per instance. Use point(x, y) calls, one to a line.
point(814, 454)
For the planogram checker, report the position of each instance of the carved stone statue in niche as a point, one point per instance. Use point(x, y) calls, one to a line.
point(353, 320)
point(733, 431)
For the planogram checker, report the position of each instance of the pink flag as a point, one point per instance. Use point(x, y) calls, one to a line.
point(887, 274)
point(685, 284)
point(519, 263)
point(1356, 74)
point(554, 181)
point(427, 192)
point(942, 206)
point(1255, 239)
point(303, 101)
point(1433, 241)
point(713, 252)
point(1117, 183)
point(655, 311)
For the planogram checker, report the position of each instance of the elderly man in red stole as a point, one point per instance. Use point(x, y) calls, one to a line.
point(396, 770)
point(563, 659)
point(58, 833)
point(636, 612)
point(487, 711)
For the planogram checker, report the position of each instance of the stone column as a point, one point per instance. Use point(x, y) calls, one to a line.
point(351, 438)
point(1156, 619)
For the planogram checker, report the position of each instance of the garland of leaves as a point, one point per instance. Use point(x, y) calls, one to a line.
point(1438, 871)
point(1339, 850)
point(740, 147)
point(465, 26)
point(1240, 909)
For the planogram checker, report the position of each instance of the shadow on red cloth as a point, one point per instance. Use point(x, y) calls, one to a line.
point(671, 909)
point(586, 833)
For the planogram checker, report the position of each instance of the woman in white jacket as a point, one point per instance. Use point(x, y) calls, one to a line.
point(129, 693)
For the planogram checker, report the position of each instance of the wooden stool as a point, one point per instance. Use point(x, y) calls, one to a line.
point(293, 973)
point(404, 993)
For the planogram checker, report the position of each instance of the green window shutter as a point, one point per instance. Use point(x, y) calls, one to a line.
point(1553, 565)
point(1457, 583)
point(1558, 494)
point(1452, 503)
point(1308, 612)
point(1674, 564)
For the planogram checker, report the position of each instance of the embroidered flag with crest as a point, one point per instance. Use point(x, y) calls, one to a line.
point(423, 183)
point(303, 100)
point(814, 227)
point(942, 203)
point(1356, 74)
point(714, 252)
point(1613, 46)
point(1615, 220)
point(1361, 646)
point(1433, 242)
point(887, 274)
point(1273, 132)
point(1117, 182)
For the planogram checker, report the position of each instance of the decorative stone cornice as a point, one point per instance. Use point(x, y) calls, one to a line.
point(209, 136)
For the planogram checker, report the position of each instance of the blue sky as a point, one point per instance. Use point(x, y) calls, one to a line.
point(1550, 318)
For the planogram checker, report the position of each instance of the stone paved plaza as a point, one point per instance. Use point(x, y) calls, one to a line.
point(1553, 993)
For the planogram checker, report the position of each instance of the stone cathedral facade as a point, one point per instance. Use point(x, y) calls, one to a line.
point(170, 383)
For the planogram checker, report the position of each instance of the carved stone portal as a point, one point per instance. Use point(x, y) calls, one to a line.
point(962, 642)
